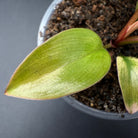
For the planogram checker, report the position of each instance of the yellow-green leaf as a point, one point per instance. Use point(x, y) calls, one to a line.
point(67, 63)
point(128, 78)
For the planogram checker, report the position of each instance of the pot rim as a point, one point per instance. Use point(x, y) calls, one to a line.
point(70, 100)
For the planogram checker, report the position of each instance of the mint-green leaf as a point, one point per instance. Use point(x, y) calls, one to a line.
point(128, 78)
point(67, 63)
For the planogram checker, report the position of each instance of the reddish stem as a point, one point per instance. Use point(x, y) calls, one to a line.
point(129, 40)
point(123, 32)
point(131, 29)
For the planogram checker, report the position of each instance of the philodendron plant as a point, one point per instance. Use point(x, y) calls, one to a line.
point(74, 60)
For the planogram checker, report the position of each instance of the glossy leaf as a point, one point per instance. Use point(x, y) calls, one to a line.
point(67, 63)
point(128, 78)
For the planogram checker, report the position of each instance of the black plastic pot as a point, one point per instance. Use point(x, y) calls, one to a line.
point(69, 99)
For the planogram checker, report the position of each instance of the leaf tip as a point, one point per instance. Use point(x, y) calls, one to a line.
point(133, 108)
point(6, 92)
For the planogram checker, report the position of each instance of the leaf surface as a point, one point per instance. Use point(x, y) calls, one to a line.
point(67, 63)
point(128, 79)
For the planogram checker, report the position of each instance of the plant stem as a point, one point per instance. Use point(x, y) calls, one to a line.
point(124, 30)
point(108, 46)
point(129, 40)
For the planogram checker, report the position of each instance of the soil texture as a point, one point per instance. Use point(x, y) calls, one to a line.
point(106, 18)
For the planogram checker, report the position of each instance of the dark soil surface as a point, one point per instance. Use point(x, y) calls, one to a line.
point(106, 18)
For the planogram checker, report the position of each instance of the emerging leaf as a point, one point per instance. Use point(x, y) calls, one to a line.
point(128, 78)
point(130, 27)
point(67, 63)
point(129, 40)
